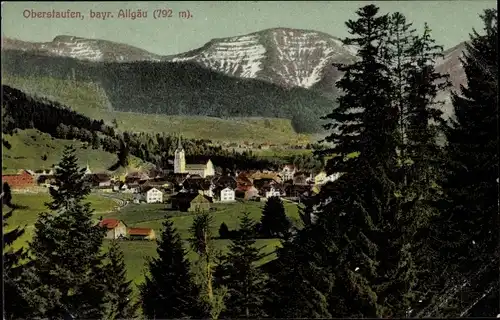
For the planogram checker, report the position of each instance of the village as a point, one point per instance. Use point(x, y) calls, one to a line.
point(188, 185)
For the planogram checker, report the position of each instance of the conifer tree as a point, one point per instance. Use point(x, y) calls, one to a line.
point(169, 291)
point(467, 229)
point(201, 242)
point(244, 281)
point(118, 289)
point(14, 288)
point(6, 195)
point(66, 250)
point(69, 188)
point(274, 222)
point(353, 210)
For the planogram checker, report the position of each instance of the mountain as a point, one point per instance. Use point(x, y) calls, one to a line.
point(83, 49)
point(287, 57)
point(276, 72)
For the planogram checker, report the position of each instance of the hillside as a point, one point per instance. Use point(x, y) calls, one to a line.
point(178, 89)
point(92, 101)
point(30, 147)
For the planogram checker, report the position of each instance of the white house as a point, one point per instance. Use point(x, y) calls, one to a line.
point(227, 195)
point(288, 172)
point(273, 193)
point(154, 195)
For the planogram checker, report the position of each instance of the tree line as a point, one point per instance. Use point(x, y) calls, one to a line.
point(24, 112)
point(410, 228)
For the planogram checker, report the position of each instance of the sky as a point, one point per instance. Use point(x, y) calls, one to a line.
point(450, 21)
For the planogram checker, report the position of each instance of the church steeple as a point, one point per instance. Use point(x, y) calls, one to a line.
point(179, 144)
point(180, 160)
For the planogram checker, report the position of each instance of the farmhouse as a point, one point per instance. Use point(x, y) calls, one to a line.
point(98, 180)
point(226, 195)
point(116, 228)
point(141, 234)
point(198, 184)
point(201, 166)
point(152, 195)
point(23, 179)
point(185, 201)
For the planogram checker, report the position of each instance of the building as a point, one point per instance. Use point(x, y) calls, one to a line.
point(141, 234)
point(154, 195)
point(98, 180)
point(288, 172)
point(186, 201)
point(22, 179)
point(272, 192)
point(116, 228)
point(227, 195)
point(200, 166)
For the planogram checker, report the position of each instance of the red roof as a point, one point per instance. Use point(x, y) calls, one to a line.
point(139, 231)
point(109, 223)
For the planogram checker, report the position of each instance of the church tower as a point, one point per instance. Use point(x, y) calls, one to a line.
point(180, 159)
point(87, 170)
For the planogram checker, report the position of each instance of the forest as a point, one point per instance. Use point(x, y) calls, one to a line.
point(24, 112)
point(179, 89)
point(408, 230)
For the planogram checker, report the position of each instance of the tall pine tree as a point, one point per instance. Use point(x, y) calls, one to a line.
point(66, 250)
point(244, 281)
point(118, 289)
point(274, 222)
point(14, 287)
point(467, 229)
point(169, 291)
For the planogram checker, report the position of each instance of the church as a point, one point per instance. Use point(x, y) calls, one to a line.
point(200, 166)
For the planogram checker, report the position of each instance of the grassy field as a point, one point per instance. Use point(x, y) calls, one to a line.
point(151, 216)
point(29, 146)
point(91, 100)
point(280, 153)
point(32, 204)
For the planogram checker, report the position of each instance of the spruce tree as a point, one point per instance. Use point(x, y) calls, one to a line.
point(6, 195)
point(118, 289)
point(349, 236)
point(244, 281)
point(274, 222)
point(69, 187)
point(14, 287)
point(467, 229)
point(169, 291)
point(201, 241)
point(66, 250)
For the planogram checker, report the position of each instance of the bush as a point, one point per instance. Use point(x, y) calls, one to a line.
point(224, 231)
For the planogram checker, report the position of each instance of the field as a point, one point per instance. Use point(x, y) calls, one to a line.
point(151, 216)
point(92, 101)
point(32, 204)
point(29, 146)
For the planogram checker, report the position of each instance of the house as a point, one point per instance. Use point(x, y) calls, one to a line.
point(246, 193)
point(272, 192)
point(198, 184)
point(141, 234)
point(226, 195)
point(194, 165)
point(186, 201)
point(116, 228)
point(98, 180)
point(298, 190)
point(287, 172)
point(135, 177)
point(130, 187)
point(154, 195)
point(225, 181)
point(300, 178)
point(22, 179)
point(45, 180)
